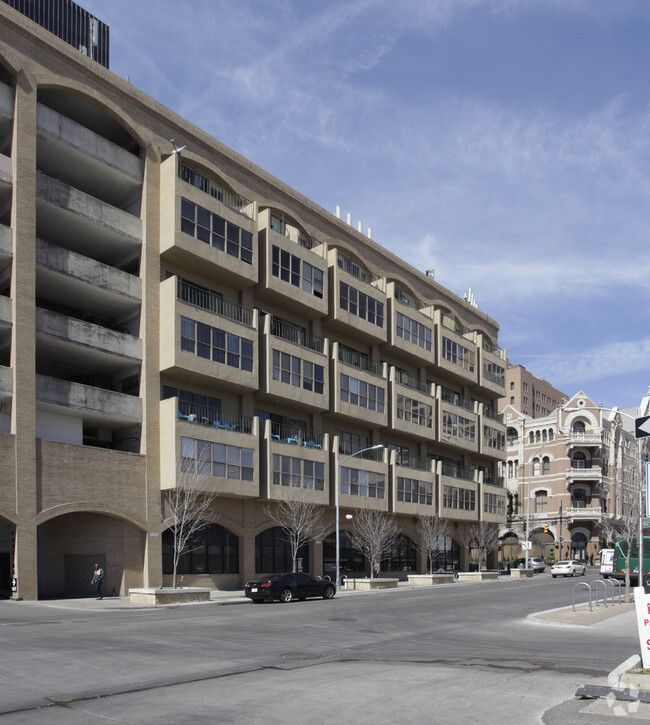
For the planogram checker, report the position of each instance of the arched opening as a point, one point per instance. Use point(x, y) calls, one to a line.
point(7, 538)
point(404, 558)
point(273, 553)
point(352, 561)
point(213, 550)
point(70, 545)
point(448, 557)
point(579, 546)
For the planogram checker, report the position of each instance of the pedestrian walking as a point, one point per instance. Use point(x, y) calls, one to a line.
point(98, 578)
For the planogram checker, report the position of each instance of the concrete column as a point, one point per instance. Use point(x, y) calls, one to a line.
point(23, 414)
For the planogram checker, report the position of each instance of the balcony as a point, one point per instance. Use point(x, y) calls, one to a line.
point(301, 445)
point(412, 495)
point(458, 426)
point(296, 367)
point(204, 231)
point(97, 407)
point(456, 356)
point(583, 514)
point(63, 276)
point(222, 428)
point(234, 371)
point(493, 439)
point(410, 333)
point(359, 386)
point(412, 409)
point(88, 161)
point(218, 191)
point(493, 364)
point(580, 438)
point(67, 346)
point(357, 302)
point(592, 473)
point(293, 269)
point(458, 495)
point(6, 384)
point(77, 221)
point(366, 482)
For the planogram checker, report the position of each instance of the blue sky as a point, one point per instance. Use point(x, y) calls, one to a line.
point(505, 143)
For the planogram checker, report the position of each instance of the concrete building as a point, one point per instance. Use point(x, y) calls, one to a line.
point(570, 473)
point(168, 316)
point(533, 396)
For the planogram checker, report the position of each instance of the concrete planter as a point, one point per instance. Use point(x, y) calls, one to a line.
point(151, 595)
point(427, 580)
point(521, 573)
point(477, 576)
point(368, 584)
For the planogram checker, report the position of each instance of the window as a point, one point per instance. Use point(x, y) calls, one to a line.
point(457, 426)
point(290, 268)
point(493, 438)
point(368, 484)
point(536, 467)
point(361, 305)
point(579, 460)
point(214, 550)
point(494, 504)
point(457, 354)
point(454, 497)
point(211, 343)
point(212, 229)
point(546, 466)
point(413, 411)
point(409, 490)
point(297, 372)
point(541, 502)
point(273, 552)
point(216, 459)
point(296, 472)
point(365, 395)
point(412, 331)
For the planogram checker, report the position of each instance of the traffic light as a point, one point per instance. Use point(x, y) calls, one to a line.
point(546, 528)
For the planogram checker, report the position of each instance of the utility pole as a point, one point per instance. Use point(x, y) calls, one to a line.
point(560, 557)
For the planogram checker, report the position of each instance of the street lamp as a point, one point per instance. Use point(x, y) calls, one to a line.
point(337, 466)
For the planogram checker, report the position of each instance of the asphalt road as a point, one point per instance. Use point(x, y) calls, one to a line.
point(462, 653)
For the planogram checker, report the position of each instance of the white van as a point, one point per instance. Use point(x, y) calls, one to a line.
point(606, 562)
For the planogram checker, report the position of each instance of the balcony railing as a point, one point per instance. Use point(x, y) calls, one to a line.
point(207, 300)
point(208, 186)
point(495, 378)
point(453, 471)
point(416, 462)
point(361, 361)
point(492, 414)
point(296, 335)
point(494, 480)
point(410, 381)
point(215, 417)
point(296, 436)
point(449, 396)
point(347, 448)
point(354, 269)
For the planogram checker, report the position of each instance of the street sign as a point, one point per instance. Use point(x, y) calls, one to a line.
point(642, 427)
point(526, 545)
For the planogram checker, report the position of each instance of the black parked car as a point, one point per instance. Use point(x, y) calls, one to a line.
point(285, 587)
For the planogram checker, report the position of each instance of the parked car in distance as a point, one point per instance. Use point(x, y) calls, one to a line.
point(285, 587)
point(536, 563)
point(570, 567)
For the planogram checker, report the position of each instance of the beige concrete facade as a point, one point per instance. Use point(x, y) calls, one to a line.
point(156, 306)
point(568, 474)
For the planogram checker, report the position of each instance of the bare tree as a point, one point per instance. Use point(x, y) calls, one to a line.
point(375, 534)
point(188, 507)
point(432, 532)
point(484, 537)
point(300, 518)
point(625, 527)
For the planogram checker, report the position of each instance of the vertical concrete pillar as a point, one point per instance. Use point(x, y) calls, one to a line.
point(23, 413)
